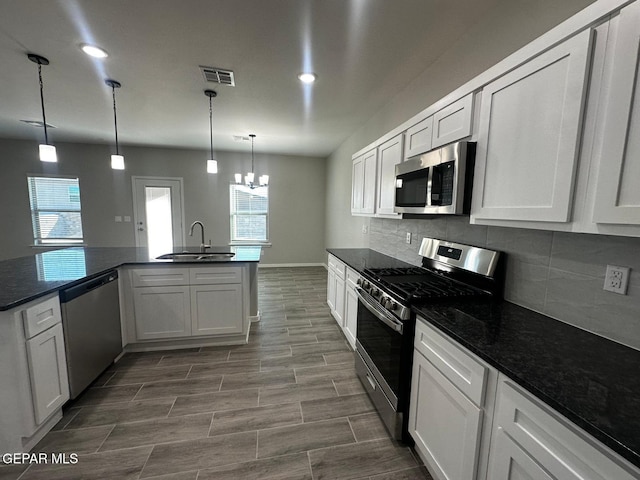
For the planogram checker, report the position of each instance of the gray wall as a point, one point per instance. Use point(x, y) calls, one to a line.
point(297, 195)
point(559, 274)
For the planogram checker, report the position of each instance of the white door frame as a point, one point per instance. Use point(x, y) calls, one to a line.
point(134, 179)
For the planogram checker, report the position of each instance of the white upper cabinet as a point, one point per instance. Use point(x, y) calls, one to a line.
point(418, 138)
point(389, 155)
point(453, 122)
point(363, 184)
point(449, 124)
point(529, 133)
point(617, 199)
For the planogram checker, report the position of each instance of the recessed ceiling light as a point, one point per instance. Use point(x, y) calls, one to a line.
point(307, 78)
point(94, 51)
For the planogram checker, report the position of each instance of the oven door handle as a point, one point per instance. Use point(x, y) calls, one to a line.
point(367, 300)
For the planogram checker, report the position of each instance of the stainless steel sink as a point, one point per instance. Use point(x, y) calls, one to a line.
point(204, 257)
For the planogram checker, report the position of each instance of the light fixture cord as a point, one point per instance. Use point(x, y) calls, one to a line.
point(252, 168)
point(115, 116)
point(44, 118)
point(211, 124)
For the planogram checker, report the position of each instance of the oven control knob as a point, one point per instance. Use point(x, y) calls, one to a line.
point(359, 282)
point(392, 305)
point(375, 292)
point(385, 302)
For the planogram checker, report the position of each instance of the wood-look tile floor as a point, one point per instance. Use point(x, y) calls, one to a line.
point(287, 405)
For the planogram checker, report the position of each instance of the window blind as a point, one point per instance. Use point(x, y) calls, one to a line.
point(249, 213)
point(55, 210)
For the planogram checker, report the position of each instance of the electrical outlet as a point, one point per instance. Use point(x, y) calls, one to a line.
point(616, 279)
point(408, 237)
point(365, 229)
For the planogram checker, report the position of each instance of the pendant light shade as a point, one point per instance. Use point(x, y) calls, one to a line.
point(249, 178)
point(212, 164)
point(47, 151)
point(117, 160)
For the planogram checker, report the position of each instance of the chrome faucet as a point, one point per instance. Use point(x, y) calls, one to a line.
point(203, 246)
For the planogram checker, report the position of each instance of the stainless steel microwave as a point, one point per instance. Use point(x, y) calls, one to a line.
point(436, 182)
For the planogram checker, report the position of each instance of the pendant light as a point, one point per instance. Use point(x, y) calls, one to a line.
point(263, 180)
point(212, 164)
point(117, 160)
point(47, 152)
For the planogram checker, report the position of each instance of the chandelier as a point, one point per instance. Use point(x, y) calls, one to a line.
point(263, 180)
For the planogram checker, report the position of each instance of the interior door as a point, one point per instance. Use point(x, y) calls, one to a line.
point(158, 213)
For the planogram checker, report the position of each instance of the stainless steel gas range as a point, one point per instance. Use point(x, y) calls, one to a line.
point(450, 272)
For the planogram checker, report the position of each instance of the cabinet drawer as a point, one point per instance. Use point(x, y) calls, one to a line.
point(464, 371)
point(158, 277)
point(453, 122)
point(418, 138)
point(41, 316)
point(352, 278)
point(337, 266)
point(215, 275)
point(553, 442)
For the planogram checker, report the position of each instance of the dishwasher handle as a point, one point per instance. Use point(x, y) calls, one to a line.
point(76, 291)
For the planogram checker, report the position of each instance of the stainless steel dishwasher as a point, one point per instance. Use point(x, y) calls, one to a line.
point(92, 334)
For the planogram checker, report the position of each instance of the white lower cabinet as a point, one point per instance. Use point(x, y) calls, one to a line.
point(335, 288)
point(331, 288)
point(48, 372)
point(444, 421)
point(34, 381)
point(530, 440)
point(216, 309)
point(510, 462)
point(162, 312)
point(190, 302)
point(350, 323)
point(338, 312)
point(341, 297)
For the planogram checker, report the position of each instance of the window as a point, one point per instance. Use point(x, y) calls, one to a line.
point(55, 210)
point(249, 214)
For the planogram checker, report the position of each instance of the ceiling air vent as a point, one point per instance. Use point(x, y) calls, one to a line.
point(37, 123)
point(218, 75)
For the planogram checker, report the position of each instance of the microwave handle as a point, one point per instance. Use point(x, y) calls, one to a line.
point(429, 185)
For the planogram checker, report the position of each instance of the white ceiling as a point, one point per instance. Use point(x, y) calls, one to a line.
point(364, 52)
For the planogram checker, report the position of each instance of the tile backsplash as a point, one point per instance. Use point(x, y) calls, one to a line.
point(555, 273)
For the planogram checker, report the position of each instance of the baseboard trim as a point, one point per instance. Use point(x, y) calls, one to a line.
point(289, 265)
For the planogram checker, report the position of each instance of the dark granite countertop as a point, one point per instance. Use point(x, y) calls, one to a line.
point(361, 258)
point(592, 381)
point(27, 278)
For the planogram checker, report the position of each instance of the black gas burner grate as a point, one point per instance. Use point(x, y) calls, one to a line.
point(417, 284)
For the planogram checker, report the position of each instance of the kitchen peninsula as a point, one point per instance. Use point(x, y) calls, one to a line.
point(163, 304)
